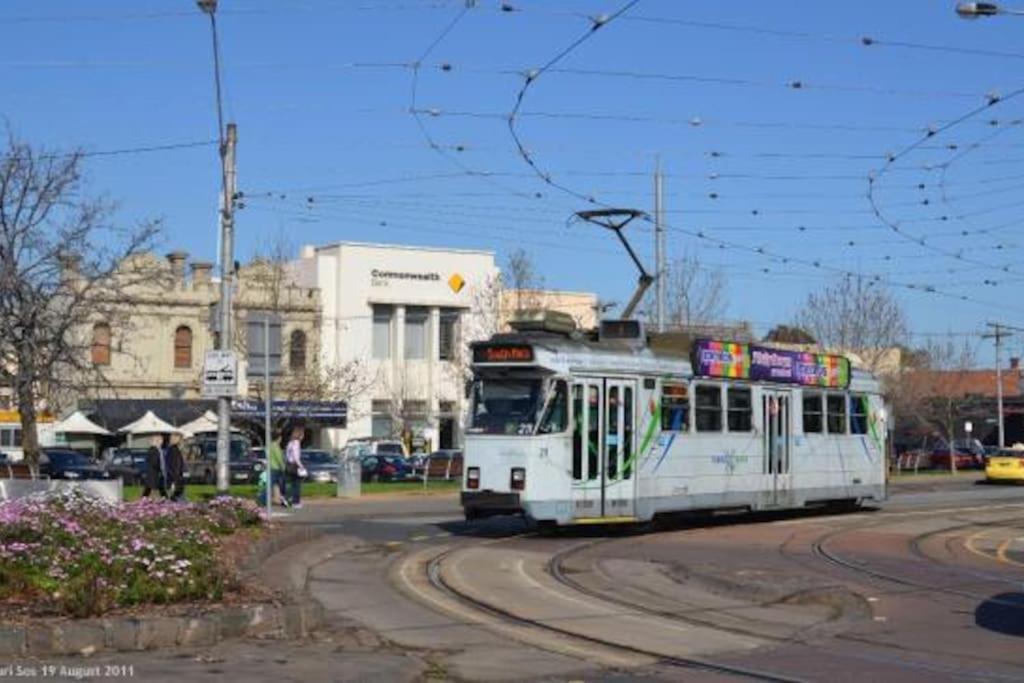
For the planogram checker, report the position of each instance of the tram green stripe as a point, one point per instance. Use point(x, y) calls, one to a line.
point(866, 404)
point(648, 435)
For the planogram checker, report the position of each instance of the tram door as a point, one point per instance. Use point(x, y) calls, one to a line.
point(604, 448)
point(775, 408)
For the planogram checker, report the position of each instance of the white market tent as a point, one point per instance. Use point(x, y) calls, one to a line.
point(149, 424)
point(204, 424)
point(78, 423)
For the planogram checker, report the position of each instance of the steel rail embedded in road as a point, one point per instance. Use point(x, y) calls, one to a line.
point(438, 582)
point(820, 549)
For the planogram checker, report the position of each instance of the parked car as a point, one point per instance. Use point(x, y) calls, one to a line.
point(965, 459)
point(442, 464)
point(1006, 465)
point(128, 464)
point(385, 468)
point(376, 447)
point(321, 465)
point(201, 462)
point(63, 463)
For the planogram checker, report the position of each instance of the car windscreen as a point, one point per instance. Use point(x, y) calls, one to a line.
point(318, 458)
point(390, 449)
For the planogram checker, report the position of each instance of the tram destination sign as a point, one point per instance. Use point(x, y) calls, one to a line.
point(503, 353)
point(764, 364)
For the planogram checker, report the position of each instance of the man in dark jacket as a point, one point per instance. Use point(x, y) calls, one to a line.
point(175, 467)
point(165, 468)
point(156, 468)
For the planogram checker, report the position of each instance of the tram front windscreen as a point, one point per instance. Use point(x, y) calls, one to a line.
point(506, 405)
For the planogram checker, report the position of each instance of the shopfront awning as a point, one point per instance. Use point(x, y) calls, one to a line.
point(319, 413)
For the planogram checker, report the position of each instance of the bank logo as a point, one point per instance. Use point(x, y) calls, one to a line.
point(456, 282)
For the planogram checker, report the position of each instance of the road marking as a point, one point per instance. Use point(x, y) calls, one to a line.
point(393, 544)
point(1002, 550)
point(420, 537)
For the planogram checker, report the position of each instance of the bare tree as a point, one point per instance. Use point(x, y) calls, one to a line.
point(694, 294)
point(934, 390)
point(787, 334)
point(63, 269)
point(521, 278)
point(855, 314)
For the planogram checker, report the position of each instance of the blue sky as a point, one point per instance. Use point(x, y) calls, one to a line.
point(768, 119)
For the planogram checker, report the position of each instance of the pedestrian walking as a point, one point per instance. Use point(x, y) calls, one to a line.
point(156, 468)
point(175, 466)
point(275, 454)
point(293, 466)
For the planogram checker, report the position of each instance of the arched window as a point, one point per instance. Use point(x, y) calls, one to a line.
point(101, 344)
point(183, 347)
point(297, 351)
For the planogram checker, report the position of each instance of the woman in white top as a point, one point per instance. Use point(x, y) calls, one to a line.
point(293, 466)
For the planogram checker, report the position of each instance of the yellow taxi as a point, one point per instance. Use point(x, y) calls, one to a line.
point(1006, 465)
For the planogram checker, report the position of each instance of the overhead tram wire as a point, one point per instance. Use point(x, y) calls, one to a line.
point(874, 177)
point(416, 113)
point(531, 78)
point(126, 151)
point(865, 41)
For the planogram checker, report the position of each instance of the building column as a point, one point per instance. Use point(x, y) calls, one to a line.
point(433, 364)
point(398, 351)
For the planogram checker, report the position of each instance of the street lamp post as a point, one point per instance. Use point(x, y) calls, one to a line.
point(228, 140)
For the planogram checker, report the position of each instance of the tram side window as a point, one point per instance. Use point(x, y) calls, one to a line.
point(577, 432)
point(675, 408)
point(593, 431)
point(709, 408)
point(812, 413)
point(858, 414)
point(741, 409)
point(555, 417)
point(627, 433)
point(836, 413)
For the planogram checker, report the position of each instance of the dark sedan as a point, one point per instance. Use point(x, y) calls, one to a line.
point(385, 468)
point(129, 464)
point(57, 463)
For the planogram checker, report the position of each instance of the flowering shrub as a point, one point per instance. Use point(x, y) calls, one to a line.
point(73, 554)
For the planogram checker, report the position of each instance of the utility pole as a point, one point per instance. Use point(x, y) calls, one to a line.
point(227, 267)
point(999, 331)
point(659, 248)
point(267, 404)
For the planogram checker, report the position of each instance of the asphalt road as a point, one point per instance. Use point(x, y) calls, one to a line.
point(926, 588)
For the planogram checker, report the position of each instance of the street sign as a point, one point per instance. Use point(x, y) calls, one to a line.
point(220, 374)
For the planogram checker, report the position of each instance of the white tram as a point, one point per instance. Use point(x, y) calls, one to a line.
point(569, 428)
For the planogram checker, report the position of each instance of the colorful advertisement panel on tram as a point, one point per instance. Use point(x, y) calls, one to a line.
point(763, 364)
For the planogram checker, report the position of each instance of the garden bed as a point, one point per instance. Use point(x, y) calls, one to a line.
point(70, 555)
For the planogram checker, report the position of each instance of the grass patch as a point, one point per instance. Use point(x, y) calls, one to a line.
point(199, 492)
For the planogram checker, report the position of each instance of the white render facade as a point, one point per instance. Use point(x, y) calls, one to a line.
point(404, 314)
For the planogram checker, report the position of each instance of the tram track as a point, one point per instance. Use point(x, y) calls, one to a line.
point(556, 570)
point(555, 567)
point(437, 580)
point(820, 549)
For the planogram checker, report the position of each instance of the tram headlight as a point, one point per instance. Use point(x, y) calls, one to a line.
point(473, 478)
point(518, 479)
